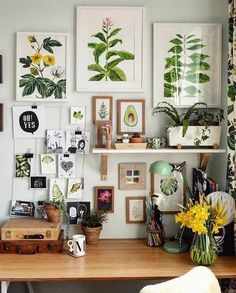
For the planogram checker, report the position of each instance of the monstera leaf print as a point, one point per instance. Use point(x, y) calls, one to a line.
point(169, 186)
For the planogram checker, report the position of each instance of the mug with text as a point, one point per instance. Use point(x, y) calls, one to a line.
point(77, 245)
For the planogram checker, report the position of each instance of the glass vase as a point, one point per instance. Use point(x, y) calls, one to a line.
point(203, 249)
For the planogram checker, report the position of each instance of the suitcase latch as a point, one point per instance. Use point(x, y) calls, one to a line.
point(8, 234)
point(49, 234)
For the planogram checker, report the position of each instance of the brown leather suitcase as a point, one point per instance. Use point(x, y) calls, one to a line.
point(32, 246)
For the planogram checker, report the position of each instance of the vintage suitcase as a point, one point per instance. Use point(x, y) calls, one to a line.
point(28, 229)
point(32, 246)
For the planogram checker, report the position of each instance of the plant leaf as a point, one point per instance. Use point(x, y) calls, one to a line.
point(196, 47)
point(97, 77)
point(179, 36)
point(48, 43)
point(26, 61)
point(190, 36)
point(169, 90)
point(197, 57)
point(176, 41)
point(231, 93)
point(114, 42)
point(176, 49)
point(171, 76)
point(194, 41)
point(92, 45)
point(186, 123)
point(173, 61)
point(99, 49)
point(198, 66)
point(114, 32)
point(41, 86)
point(117, 74)
point(192, 90)
point(197, 78)
point(113, 63)
point(96, 67)
point(123, 54)
point(101, 37)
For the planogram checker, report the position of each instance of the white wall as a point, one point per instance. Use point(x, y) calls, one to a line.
point(59, 16)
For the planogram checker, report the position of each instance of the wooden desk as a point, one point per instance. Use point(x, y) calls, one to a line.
point(109, 260)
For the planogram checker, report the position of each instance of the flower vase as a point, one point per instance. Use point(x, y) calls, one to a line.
point(203, 249)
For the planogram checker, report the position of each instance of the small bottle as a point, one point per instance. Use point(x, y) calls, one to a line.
point(125, 138)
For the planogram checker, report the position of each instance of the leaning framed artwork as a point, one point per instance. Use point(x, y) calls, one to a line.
point(187, 64)
point(41, 67)
point(131, 116)
point(110, 48)
point(102, 109)
point(132, 176)
point(135, 209)
point(104, 198)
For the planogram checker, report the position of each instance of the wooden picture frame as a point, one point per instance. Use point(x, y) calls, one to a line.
point(1, 70)
point(164, 200)
point(127, 123)
point(1, 117)
point(132, 176)
point(135, 209)
point(104, 198)
point(99, 102)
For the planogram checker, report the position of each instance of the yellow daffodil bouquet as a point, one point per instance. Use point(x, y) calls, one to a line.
point(204, 219)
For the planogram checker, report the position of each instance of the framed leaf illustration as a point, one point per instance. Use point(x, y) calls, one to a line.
point(109, 48)
point(135, 209)
point(41, 67)
point(187, 64)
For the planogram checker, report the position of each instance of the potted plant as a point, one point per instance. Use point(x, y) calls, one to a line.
point(194, 127)
point(91, 225)
point(54, 209)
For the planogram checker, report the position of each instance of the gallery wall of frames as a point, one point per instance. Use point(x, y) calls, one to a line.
point(100, 69)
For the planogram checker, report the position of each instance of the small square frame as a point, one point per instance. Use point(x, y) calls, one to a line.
point(124, 168)
point(137, 211)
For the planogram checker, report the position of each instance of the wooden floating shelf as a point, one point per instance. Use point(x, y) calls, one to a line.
point(159, 151)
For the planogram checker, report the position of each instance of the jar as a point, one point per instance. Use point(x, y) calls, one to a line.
point(125, 138)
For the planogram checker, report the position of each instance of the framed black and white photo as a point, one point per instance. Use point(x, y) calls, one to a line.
point(77, 211)
point(28, 122)
point(38, 182)
point(77, 142)
point(66, 165)
point(55, 141)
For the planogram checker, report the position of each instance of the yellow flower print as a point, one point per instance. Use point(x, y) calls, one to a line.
point(36, 58)
point(31, 39)
point(49, 60)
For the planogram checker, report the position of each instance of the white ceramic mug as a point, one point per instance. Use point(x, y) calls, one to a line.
point(77, 245)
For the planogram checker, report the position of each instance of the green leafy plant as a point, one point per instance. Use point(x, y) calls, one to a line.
point(193, 116)
point(60, 205)
point(94, 219)
point(185, 67)
point(39, 64)
point(78, 115)
point(111, 57)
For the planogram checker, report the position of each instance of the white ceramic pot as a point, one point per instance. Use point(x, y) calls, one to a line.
point(174, 135)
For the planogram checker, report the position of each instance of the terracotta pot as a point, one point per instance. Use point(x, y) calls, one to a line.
point(136, 139)
point(91, 234)
point(52, 212)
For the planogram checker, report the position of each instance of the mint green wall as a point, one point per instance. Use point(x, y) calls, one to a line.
point(59, 16)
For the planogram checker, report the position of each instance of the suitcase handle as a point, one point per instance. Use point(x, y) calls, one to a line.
point(19, 251)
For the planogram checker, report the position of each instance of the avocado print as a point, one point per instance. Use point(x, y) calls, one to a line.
point(131, 116)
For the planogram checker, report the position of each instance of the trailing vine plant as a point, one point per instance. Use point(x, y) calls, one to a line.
point(106, 58)
point(185, 67)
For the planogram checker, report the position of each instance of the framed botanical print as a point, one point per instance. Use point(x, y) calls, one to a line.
point(102, 109)
point(109, 48)
point(131, 116)
point(78, 115)
point(135, 209)
point(41, 67)
point(132, 176)
point(187, 64)
point(104, 198)
point(169, 190)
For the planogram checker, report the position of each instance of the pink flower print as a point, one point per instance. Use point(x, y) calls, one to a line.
point(105, 197)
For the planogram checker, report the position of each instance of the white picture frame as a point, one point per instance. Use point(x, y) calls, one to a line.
point(78, 115)
point(41, 56)
point(128, 24)
point(48, 164)
point(177, 70)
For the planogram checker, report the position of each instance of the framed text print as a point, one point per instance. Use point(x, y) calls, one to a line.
point(187, 64)
point(41, 67)
point(109, 48)
point(131, 116)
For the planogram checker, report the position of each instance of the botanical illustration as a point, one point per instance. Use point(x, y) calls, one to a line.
point(169, 186)
point(75, 187)
point(23, 166)
point(66, 166)
point(103, 112)
point(57, 187)
point(77, 115)
point(44, 71)
point(186, 67)
point(107, 54)
point(48, 163)
point(135, 209)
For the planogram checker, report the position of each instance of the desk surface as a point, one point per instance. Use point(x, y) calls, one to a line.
point(109, 260)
